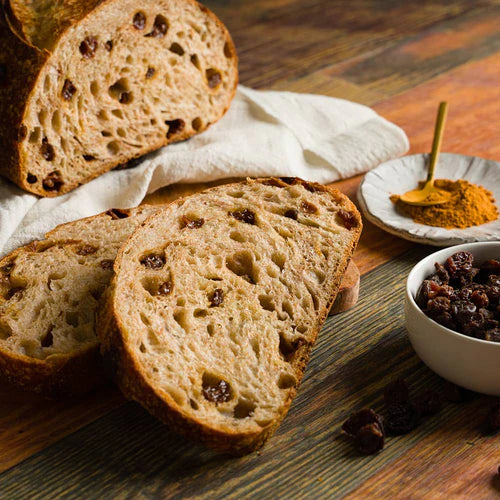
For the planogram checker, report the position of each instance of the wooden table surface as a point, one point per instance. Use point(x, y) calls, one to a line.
point(401, 58)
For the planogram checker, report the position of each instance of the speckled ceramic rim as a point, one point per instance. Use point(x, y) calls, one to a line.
point(439, 257)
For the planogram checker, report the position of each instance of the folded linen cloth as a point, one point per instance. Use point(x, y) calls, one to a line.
point(264, 133)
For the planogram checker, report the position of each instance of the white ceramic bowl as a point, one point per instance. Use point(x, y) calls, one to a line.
point(465, 361)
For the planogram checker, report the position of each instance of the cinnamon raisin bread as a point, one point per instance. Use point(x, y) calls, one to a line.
point(49, 292)
point(217, 301)
point(88, 85)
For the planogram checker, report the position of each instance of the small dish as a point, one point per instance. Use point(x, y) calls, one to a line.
point(401, 175)
point(468, 362)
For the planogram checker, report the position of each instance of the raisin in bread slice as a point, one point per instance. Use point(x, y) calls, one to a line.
point(217, 301)
point(86, 86)
point(49, 292)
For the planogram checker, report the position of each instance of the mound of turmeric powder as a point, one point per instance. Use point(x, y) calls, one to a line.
point(469, 205)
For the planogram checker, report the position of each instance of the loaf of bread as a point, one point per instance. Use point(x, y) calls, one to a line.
point(49, 292)
point(87, 85)
point(217, 301)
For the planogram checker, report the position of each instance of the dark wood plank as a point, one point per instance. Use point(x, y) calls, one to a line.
point(128, 453)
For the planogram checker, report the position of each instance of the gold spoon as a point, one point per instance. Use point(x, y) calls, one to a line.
point(430, 194)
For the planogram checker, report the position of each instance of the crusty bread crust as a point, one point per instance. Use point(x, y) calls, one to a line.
point(22, 66)
point(132, 380)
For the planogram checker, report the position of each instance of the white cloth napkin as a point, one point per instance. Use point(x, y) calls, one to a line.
point(266, 133)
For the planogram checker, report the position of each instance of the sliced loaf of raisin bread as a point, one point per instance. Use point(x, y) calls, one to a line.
point(217, 301)
point(88, 85)
point(49, 292)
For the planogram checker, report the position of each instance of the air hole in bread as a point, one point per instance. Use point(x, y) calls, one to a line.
point(153, 339)
point(96, 293)
point(48, 339)
point(5, 331)
point(109, 45)
point(271, 272)
point(113, 147)
point(31, 179)
point(200, 313)
point(176, 49)
point(102, 115)
point(178, 396)
point(279, 259)
point(244, 408)
point(55, 276)
point(72, 318)
point(320, 276)
point(94, 88)
point(120, 88)
point(287, 308)
point(174, 127)
point(284, 232)
point(228, 51)
point(266, 303)
point(325, 252)
point(195, 60)
point(142, 348)
point(241, 264)
point(194, 405)
point(181, 301)
point(30, 348)
point(287, 346)
point(180, 317)
point(118, 113)
point(121, 132)
point(236, 194)
point(286, 381)
point(145, 319)
point(197, 124)
point(313, 297)
point(214, 78)
point(35, 135)
point(215, 389)
point(210, 329)
point(254, 343)
point(237, 236)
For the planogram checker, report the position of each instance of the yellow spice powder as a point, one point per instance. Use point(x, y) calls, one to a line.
point(469, 205)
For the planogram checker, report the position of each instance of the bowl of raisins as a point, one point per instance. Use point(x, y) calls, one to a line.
point(452, 314)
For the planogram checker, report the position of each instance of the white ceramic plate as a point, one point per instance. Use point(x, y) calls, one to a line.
point(401, 175)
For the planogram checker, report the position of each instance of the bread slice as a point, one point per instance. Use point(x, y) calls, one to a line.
point(217, 301)
point(49, 292)
point(88, 85)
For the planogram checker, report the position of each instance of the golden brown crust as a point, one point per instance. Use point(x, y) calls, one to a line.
point(133, 384)
point(22, 62)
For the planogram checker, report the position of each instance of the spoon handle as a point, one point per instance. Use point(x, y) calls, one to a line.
point(438, 139)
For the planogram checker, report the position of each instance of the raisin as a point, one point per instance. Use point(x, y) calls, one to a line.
point(68, 90)
point(308, 208)
point(48, 338)
point(289, 180)
point(165, 288)
point(192, 223)
point(153, 261)
point(348, 218)
point(428, 403)
point(218, 392)
point(396, 392)
point(109, 45)
point(88, 47)
point(31, 179)
point(492, 420)
point(53, 181)
point(213, 78)
point(107, 263)
point(369, 440)
point(217, 297)
point(47, 150)
point(423, 294)
point(479, 298)
point(125, 98)
point(492, 335)
point(174, 127)
point(244, 215)
point(438, 305)
point(441, 277)
point(445, 319)
point(292, 214)
point(463, 310)
point(117, 213)
point(14, 291)
point(361, 418)
point(160, 28)
point(150, 73)
point(402, 418)
point(3, 75)
point(139, 21)
point(88, 157)
point(458, 263)
point(467, 277)
point(86, 250)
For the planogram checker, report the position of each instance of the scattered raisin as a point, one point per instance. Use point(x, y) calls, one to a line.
point(218, 392)
point(150, 73)
point(308, 208)
point(164, 288)
point(139, 21)
point(402, 418)
point(107, 263)
point(14, 291)
point(213, 78)
point(109, 45)
point(86, 250)
point(361, 418)
point(396, 392)
point(160, 28)
point(47, 150)
point(31, 179)
point(192, 223)
point(217, 297)
point(53, 181)
point(244, 215)
point(153, 261)
point(370, 439)
point(48, 338)
point(348, 218)
point(68, 90)
point(88, 47)
point(428, 403)
point(291, 214)
point(174, 127)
